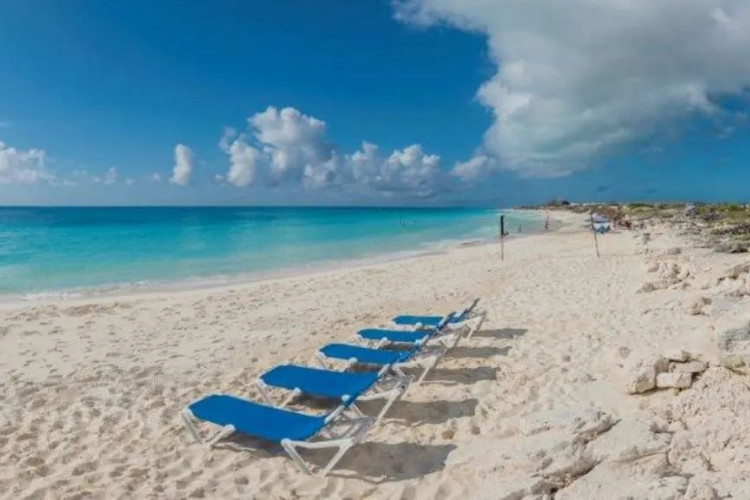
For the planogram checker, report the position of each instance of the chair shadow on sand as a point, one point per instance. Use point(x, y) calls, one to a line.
point(378, 463)
point(426, 412)
point(464, 376)
point(462, 351)
point(502, 333)
point(373, 462)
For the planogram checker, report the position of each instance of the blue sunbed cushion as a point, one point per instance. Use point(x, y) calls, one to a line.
point(408, 319)
point(255, 419)
point(366, 355)
point(320, 382)
point(394, 335)
point(429, 321)
point(433, 321)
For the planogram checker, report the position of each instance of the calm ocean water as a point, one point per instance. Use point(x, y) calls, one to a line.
point(55, 249)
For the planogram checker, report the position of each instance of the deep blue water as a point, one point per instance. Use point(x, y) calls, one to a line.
point(51, 249)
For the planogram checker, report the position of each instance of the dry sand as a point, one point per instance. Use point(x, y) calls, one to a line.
point(533, 406)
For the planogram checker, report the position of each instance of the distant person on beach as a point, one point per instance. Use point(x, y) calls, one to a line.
point(546, 224)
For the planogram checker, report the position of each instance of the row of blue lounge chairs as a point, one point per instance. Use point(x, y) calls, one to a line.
point(411, 340)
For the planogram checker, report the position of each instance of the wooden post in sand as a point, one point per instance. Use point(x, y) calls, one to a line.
point(502, 237)
point(593, 230)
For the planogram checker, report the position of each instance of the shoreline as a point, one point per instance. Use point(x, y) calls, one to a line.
point(222, 282)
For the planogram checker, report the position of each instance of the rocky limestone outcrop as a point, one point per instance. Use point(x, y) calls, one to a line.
point(729, 246)
point(670, 274)
point(734, 349)
point(676, 369)
point(549, 452)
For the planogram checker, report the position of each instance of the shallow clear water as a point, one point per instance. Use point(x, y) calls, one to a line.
point(49, 249)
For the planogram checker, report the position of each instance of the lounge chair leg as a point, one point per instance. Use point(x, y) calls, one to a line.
point(321, 360)
point(399, 372)
point(263, 393)
point(187, 419)
point(360, 428)
point(481, 318)
point(396, 394)
point(432, 364)
point(292, 452)
point(294, 394)
point(357, 412)
point(339, 454)
point(224, 432)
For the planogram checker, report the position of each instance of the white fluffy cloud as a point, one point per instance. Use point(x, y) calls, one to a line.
point(473, 169)
point(23, 167)
point(406, 170)
point(243, 158)
point(293, 141)
point(290, 147)
point(580, 78)
point(183, 165)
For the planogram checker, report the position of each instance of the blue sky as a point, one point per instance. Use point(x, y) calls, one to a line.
point(96, 99)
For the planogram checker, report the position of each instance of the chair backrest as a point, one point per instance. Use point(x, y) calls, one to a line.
point(472, 306)
point(446, 319)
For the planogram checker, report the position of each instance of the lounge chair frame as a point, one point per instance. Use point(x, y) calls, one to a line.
point(399, 383)
point(354, 433)
point(432, 359)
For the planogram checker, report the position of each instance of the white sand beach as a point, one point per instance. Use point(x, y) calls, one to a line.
point(535, 405)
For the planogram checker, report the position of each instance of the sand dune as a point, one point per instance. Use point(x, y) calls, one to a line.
point(533, 406)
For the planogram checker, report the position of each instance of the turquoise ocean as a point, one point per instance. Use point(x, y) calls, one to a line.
point(89, 250)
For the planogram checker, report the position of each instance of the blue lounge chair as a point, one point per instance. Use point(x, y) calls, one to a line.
point(349, 386)
point(380, 358)
point(468, 318)
point(395, 336)
point(420, 336)
point(291, 429)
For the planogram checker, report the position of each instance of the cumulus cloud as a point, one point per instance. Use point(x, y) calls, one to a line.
point(406, 170)
point(183, 165)
point(22, 167)
point(287, 146)
point(292, 141)
point(474, 169)
point(579, 79)
point(243, 158)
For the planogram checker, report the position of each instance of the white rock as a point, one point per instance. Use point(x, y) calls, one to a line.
point(640, 379)
point(641, 373)
point(674, 380)
point(677, 355)
point(700, 490)
point(734, 349)
point(690, 367)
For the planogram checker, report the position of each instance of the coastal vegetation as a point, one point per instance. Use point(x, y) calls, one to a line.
point(719, 225)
